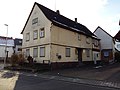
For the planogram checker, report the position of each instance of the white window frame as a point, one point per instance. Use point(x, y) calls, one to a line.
point(67, 50)
point(27, 36)
point(35, 34)
point(42, 32)
point(42, 51)
point(35, 21)
point(35, 52)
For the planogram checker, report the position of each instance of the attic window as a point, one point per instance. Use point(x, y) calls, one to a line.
point(34, 21)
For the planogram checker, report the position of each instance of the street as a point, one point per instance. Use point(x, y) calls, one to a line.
point(15, 80)
point(25, 82)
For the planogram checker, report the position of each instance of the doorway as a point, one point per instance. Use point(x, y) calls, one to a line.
point(80, 55)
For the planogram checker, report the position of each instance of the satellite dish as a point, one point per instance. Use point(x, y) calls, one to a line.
point(117, 45)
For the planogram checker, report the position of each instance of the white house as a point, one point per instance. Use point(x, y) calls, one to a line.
point(50, 37)
point(106, 44)
point(9, 46)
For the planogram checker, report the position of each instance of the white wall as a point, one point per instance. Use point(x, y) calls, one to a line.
point(2, 51)
point(106, 40)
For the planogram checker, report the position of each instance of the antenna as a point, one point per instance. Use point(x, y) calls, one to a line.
point(119, 22)
point(55, 5)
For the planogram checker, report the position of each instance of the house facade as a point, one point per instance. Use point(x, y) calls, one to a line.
point(106, 44)
point(49, 37)
point(9, 47)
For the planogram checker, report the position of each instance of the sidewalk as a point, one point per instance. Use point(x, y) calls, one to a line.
point(7, 80)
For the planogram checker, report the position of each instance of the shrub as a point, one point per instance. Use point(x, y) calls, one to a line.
point(117, 56)
point(21, 58)
point(14, 59)
point(17, 59)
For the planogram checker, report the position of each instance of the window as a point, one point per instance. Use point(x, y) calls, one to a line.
point(35, 52)
point(87, 52)
point(35, 34)
point(96, 42)
point(42, 32)
point(67, 52)
point(27, 52)
point(27, 36)
point(106, 53)
point(42, 51)
point(88, 40)
point(34, 21)
point(79, 37)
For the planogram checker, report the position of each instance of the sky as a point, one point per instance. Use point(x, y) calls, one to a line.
point(91, 13)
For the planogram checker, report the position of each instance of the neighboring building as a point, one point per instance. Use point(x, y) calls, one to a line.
point(117, 41)
point(107, 44)
point(10, 45)
point(17, 45)
point(49, 37)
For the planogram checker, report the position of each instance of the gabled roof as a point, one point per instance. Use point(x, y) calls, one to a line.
point(102, 30)
point(117, 36)
point(61, 21)
point(17, 41)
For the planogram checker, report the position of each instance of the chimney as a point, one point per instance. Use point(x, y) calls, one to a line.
point(76, 20)
point(119, 22)
point(57, 11)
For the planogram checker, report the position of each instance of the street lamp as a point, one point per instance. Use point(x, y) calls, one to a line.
point(6, 46)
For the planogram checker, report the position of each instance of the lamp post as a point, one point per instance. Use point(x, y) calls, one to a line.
point(6, 46)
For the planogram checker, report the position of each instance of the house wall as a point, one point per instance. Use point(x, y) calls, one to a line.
point(39, 59)
point(57, 50)
point(2, 51)
point(43, 22)
point(62, 38)
point(106, 40)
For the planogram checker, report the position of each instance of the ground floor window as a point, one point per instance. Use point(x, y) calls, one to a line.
point(67, 52)
point(106, 53)
point(27, 52)
point(42, 51)
point(35, 52)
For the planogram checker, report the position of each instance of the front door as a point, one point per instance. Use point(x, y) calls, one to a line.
point(80, 55)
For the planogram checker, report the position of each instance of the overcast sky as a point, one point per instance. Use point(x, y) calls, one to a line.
point(91, 13)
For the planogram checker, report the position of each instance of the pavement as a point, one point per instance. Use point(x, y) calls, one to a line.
point(105, 76)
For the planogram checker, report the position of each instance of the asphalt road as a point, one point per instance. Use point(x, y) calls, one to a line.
point(25, 82)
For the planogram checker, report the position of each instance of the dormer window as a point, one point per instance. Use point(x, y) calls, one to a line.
point(34, 21)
